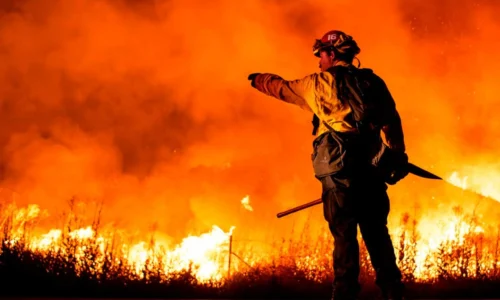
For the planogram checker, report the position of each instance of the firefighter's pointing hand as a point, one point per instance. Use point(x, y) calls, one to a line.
point(252, 77)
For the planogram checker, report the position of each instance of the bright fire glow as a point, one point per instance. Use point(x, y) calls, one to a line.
point(206, 255)
point(146, 106)
point(483, 183)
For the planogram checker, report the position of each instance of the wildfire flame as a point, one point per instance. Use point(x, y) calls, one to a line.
point(482, 183)
point(453, 232)
point(246, 203)
point(457, 181)
point(116, 102)
point(205, 255)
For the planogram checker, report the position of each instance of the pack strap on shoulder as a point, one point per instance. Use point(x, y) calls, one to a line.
point(350, 91)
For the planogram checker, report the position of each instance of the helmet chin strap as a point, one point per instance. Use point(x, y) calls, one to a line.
point(359, 62)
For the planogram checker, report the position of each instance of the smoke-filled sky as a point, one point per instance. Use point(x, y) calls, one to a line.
point(146, 105)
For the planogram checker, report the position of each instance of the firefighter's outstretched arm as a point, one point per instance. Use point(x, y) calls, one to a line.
point(305, 92)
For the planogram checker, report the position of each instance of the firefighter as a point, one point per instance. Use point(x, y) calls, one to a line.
point(347, 136)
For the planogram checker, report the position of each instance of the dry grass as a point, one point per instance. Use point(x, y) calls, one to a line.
point(300, 268)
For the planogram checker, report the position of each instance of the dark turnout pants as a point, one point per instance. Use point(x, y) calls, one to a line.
point(351, 202)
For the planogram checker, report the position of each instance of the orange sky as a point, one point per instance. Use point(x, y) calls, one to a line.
point(146, 105)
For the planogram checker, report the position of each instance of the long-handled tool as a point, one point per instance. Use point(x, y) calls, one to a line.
point(411, 169)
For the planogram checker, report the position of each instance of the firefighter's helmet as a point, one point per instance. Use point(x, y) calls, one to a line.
point(338, 41)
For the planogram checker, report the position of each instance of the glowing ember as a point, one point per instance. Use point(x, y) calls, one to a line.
point(246, 203)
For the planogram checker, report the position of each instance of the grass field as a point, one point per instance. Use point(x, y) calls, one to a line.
point(87, 262)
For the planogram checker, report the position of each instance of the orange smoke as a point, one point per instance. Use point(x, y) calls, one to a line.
point(145, 106)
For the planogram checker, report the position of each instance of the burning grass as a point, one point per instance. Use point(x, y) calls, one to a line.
point(91, 259)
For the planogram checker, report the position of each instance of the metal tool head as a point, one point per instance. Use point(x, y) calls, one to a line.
point(421, 172)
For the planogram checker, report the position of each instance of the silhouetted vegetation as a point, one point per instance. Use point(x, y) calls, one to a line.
point(463, 265)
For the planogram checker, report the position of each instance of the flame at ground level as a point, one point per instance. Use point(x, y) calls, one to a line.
point(203, 255)
point(456, 245)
